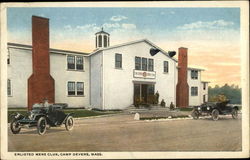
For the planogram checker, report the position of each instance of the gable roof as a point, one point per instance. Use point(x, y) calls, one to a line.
point(130, 43)
point(51, 50)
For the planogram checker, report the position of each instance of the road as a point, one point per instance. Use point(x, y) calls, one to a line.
point(123, 133)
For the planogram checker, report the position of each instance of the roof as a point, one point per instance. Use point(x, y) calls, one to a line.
point(205, 81)
point(193, 68)
point(102, 32)
point(130, 43)
point(52, 50)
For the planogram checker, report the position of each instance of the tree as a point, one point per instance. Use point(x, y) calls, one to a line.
point(231, 92)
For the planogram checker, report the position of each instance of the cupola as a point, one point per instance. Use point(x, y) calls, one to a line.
point(101, 39)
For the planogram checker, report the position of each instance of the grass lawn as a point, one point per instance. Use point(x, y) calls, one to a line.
point(186, 109)
point(77, 112)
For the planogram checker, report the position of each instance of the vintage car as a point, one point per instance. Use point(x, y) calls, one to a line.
point(42, 118)
point(214, 109)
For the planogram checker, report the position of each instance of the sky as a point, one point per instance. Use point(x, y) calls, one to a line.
point(212, 35)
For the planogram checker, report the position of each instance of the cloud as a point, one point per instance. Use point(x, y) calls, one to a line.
point(206, 25)
point(118, 18)
point(128, 26)
point(111, 25)
point(87, 26)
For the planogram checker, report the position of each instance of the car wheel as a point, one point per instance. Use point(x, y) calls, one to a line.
point(15, 127)
point(215, 114)
point(69, 124)
point(41, 126)
point(235, 114)
point(195, 114)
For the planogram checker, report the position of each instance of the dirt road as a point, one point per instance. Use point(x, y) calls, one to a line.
point(123, 133)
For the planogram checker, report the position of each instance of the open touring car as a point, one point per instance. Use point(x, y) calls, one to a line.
point(42, 118)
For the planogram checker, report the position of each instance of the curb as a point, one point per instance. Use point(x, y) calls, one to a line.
point(105, 115)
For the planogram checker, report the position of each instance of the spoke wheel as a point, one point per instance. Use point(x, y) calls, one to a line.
point(15, 127)
point(69, 124)
point(235, 114)
point(41, 126)
point(195, 114)
point(215, 114)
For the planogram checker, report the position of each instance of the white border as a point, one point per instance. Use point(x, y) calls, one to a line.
point(244, 5)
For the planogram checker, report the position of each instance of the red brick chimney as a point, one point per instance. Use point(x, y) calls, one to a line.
point(182, 88)
point(40, 83)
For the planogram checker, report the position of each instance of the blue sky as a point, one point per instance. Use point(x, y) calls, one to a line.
point(213, 32)
point(144, 18)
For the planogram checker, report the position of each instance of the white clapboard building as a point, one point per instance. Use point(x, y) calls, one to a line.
point(111, 77)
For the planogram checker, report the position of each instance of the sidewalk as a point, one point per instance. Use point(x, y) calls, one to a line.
point(157, 112)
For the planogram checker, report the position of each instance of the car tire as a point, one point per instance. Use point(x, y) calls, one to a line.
point(69, 123)
point(215, 114)
point(15, 127)
point(41, 125)
point(235, 113)
point(195, 114)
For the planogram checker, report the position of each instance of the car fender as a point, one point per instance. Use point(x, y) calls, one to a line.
point(37, 116)
point(236, 107)
point(69, 114)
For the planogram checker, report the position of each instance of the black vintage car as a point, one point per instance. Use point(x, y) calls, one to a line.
point(42, 118)
point(215, 109)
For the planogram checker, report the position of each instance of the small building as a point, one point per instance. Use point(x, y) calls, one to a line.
point(110, 77)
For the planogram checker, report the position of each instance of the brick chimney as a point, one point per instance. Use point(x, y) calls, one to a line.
point(40, 83)
point(182, 88)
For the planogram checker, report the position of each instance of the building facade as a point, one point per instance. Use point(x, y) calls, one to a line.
point(111, 77)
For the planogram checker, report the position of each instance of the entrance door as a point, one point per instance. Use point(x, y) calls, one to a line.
point(137, 93)
point(144, 93)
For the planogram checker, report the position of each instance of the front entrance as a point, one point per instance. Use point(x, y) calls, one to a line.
point(144, 93)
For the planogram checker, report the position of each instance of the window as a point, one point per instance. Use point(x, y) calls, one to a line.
point(71, 62)
point(105, 41)
point(71, 88)
point(194, 91)
point(144, 64)
point(194, 74)
point(150, 65)
point(80, 88)
point(99, 41)
point(165, 66)
point(118, 60)
point(138, 63)
point(75, 88)
point(204, 86)
point(8, 57)
point(75, 62)
point(9, 87)
point(79, 63)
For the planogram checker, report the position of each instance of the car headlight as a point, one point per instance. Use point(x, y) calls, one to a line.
point(208, 108)
point(199, 108)
point(17, 115)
